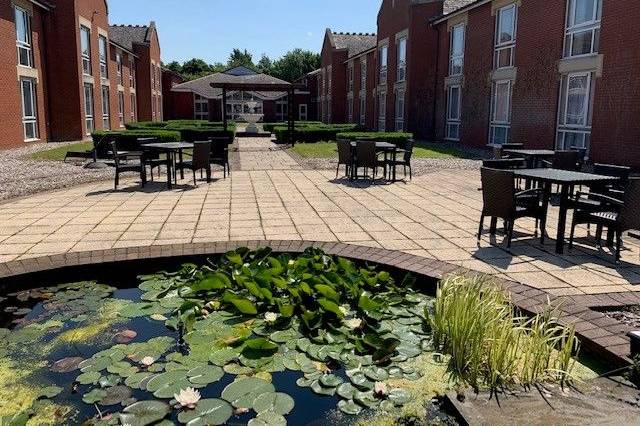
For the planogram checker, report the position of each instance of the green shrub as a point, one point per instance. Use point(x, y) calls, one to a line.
point(146, 125)
point(193, 134)
point(178, 125)
point(315, 133)
point(396, 138)
point(127, 140)
point(269, 127)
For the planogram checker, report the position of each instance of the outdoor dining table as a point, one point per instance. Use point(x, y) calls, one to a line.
point(532, 156)
point(387, 148)
point(565, 179)
point(170, 149)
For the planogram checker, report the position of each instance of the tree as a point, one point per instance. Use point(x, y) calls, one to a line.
point(295, 64)
point(195, 67)
point(174, 66)
point(265, 65)
point(240, 58)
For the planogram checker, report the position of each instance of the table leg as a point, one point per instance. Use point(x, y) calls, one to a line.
point(181, 168)
point(169, 171)
point(562, 217)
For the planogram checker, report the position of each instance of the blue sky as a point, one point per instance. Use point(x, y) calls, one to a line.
point(210, 29)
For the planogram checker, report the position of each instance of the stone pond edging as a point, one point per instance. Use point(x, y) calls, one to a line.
point(600, 334)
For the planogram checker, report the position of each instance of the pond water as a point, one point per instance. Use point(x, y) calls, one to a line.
point(263, 339)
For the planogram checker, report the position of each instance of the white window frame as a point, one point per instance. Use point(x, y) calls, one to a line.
point(572, 29)
point(121, 108)
point(303, 115)
point(119, 68)
point(203, 113)
point(363, 75)
point(282, 110)
point(510, 45)
point(103, 46)
point(459, 56)
point(383, 53)
point(86, 56)
point(134, 107)
point(452, 122)
point(89, 108)
point(350, 73)
point(29, 120)
point(382, 111)
point(24, 45)
point(363, 107)
point(399, 107)
point(329, 80)
point(106, 118)
point(402, 60)
point(350, 109)
point(499, 124)
point(583, 130)
point(132, 72)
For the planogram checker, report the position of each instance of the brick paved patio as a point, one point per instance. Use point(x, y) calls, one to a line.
point(434, 216)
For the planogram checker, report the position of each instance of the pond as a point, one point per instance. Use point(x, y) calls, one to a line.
point(250, 337)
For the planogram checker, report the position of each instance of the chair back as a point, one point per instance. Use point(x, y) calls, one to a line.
point(218, 148)
point(504, 163)
point(148, 153)
point(366, 154)
point(566, 160)
point(114, 151)
point(498, 192)
point(629, 217)
point(621, 172)
point(408, 150)
point(344, 151)
point(201, 154)
point(143, 141)
point(220, 139)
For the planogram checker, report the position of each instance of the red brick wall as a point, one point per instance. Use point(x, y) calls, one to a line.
point(371, 118)
point(335, 59)
point(442, 68)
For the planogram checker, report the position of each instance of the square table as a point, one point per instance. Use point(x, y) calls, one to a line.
point(565, 179)
point(386, 147)
point(170, 149)
point(532, 155)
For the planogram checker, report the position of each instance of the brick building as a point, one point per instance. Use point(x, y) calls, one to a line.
point(65, 71)
point(547, 73)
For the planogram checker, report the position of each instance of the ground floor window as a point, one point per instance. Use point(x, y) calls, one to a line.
point(201, 107)
point(88, 107)
point(453, 113)
point(134, 107)
point(282, 110)
point(159, 108)
point(575, 111)
point(302, 112)
point(500, 112)
point(29, 108)
point(382, 111)
point(121, 109)
point(240, 103)
point(106, 124)
point(399, 110)
point(363, 109)
point(350, 110)
point(329, 110)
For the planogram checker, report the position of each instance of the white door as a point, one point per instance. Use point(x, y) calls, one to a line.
point(302, 112)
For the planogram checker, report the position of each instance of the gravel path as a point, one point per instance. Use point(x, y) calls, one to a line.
point(21, 175)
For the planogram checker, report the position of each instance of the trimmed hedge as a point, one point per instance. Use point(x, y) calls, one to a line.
point(397, 138)
point(313, 134)
point(270, 127)
point(179, 125)
point(127, 140)
point(193, 134)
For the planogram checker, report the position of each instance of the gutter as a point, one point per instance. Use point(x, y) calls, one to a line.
point(45, 6)
point(439, 19)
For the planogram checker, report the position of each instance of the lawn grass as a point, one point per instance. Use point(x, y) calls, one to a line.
point(421, 150)
point(58, 154)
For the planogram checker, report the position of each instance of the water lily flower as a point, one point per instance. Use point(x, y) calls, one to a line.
point(353, 323)
point(380, 389)
point(188, 398)
point(344, 309)
point(147, 361)
point(270, 317)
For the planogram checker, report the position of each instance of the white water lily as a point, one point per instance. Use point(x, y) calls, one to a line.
point(188, 398)
point(353, 323)
point(270, 317)
point(344, 309)
point(147, 361)
point(380, 389)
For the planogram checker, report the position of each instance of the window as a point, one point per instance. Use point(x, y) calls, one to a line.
point(85, 49)
point(363, 75)
point(382, 111)
point(132, 73)
point(505, 42)
point(382, 62)
point(583, 27)
point(201, 106)
point(104, 54)
point(350, 110)
point(329, 110)
point(500, 112)
point(453, 113)
point(106, 125)
point(399, 107)
point(121, 108)
point(302, 112)
point(350, 72)
point(159, 108)
point(23, 37)
point(29, 109)
point(456, 60)
point(402, 59)
point(282, 110)
point(329, 79)
point(575, 111)
point(119, 68)
point(88, 107)
point(133, 107)
point(363, 108)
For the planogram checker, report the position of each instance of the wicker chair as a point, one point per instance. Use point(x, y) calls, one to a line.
point(617, 215)
point(345, 156)
point(220, 154)
point(500, 200)
point(504, 163)
point(565, 160)
point(151, 158)
point(200, 161)
point(123, 164)
point(405, 162)
point(367, 157)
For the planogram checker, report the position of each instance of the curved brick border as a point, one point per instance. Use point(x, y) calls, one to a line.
point(599, 333)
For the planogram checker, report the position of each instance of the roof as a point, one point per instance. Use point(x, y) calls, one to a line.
point(354, 43)
point(43, 4)
point(129, 35)
point(233, 76)
point(451, 7)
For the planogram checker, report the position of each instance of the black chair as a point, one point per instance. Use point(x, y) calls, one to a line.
point(502, 201)
point(405, 162)
point(199, 161)
point(126, 163)
point(617, 215)
point(498, 150)
point(344, 156)
point(565, 160)
point(367, 158)
point(220, 154)
point(150, 157)
point(504, 163)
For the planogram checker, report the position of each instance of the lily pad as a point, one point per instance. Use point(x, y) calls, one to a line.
point(366, 399)
point(205, 375)
point(223, 357)
point(376, 374)
point(268, 418)
point(242, 393)
point(346, 390)
point(116, 395)
point(51, 391)
point(166, 385)
point(284, 336)
point(88, 378)
point(277, 402)
point(66, 365)
point(330, 380)
point(144, 413)
point(399, 396)
point(136, 379)
point(93, 396)
point(349, 407)
point(207, 412)
point(317, 387)
point(125, 336)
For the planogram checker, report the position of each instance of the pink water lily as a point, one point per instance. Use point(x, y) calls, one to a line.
point(380, 389)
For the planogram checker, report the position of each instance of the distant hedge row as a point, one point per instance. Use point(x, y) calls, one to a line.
point(270, 127)
point(179, 125)
point(313, 133)
point(396, 138)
